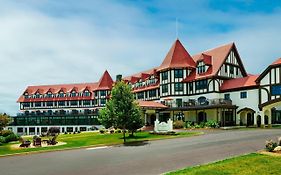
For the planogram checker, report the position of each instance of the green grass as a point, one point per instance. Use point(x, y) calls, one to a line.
point(87, 139)
point(247, 165)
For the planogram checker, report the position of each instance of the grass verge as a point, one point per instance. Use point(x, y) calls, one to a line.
point(250, 164)
point(88, 139)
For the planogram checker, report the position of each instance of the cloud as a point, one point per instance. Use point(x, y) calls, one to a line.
point(51, 42)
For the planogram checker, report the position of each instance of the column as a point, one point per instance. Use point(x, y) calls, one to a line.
point(255, 120)
point(145, 119)
point(27, 129)
point(269, 118)
point(157, 115)
point(262, 119)
point(238, 119)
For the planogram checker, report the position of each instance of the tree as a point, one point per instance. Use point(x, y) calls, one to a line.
point(4, 121)
point(121, 110)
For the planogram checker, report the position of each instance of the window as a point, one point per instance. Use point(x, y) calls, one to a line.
point(164, 75)
point(73, 103)
point(49, 103)
point(140, 95)
point(37, 95)
point(243, 94)
point(152, 93)
point(61, 103)
point(37, 104)
point(201, 84)
point(61, 94)
point(231, 70)
point(179, 102)
point(102, 93)
point(237, 71)
point(191, 86)
point(26, 95)
point(227, 96)
point(225, 68)
point(49, 95)
point(178, 73)
point(26, 104)
point(86, 102)
point(87, 94)
point(73, 94)
point(164, 88)
point(178, 87)
point(201, 68)
point(102, 101)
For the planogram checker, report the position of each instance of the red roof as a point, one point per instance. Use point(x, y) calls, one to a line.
point(276, 62)
point(64, 87)
point(139, 75)
point(177, 57)
point(238, 83)
point(145, 88)
point(151, 104)
point(214, 58)
point(105, 82)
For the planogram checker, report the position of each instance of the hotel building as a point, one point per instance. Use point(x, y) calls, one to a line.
point(210, 85)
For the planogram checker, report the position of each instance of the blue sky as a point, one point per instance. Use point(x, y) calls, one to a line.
point(70, 41)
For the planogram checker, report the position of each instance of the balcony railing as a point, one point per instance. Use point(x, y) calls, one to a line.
point(58, 113)
point(197, 103)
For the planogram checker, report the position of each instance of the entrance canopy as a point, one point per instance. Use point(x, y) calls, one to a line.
point(151, 105)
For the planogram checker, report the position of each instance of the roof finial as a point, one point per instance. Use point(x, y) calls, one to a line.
point(177, 37)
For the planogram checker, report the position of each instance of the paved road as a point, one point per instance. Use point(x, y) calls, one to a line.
point(153, 158)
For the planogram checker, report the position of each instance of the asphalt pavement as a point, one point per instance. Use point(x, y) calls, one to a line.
point(155, 157)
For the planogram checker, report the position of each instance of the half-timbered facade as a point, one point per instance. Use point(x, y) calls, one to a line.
point(210, 85)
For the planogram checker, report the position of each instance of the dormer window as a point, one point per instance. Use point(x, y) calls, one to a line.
point(87, 94)
point(61, 94)
point(26, 95)
point(49, 95)
point(201, 67)
point(178, 73)
point(37, 95)
point(73, 94)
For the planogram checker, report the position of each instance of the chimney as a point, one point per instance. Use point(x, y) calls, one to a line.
point(118, 77)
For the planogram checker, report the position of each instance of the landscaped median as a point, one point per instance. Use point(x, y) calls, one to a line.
point(89, 139)
point(247, 165)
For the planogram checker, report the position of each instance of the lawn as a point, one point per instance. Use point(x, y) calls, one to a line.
point(247, 165)
point(88, 139)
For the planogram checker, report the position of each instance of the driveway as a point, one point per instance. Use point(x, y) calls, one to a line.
point(155, 157)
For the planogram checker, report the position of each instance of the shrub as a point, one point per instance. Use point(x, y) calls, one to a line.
point(102, 131)
point(78, 132)
point(65, 132)
point(212, 124)
point(178, 124)
point(2, 139)
point(35, 137)
point(53, 131)
point(279, 141)
point(202, 125)
point(118, 131)
point(270, 145)
point(197, 126)
point(188, 124)
point(111, 131)
point(11, 137)
point(5, 133)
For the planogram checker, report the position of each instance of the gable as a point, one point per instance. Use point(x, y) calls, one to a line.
point(232, 66)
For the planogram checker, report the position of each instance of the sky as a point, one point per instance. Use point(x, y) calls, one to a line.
point(70, 41)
